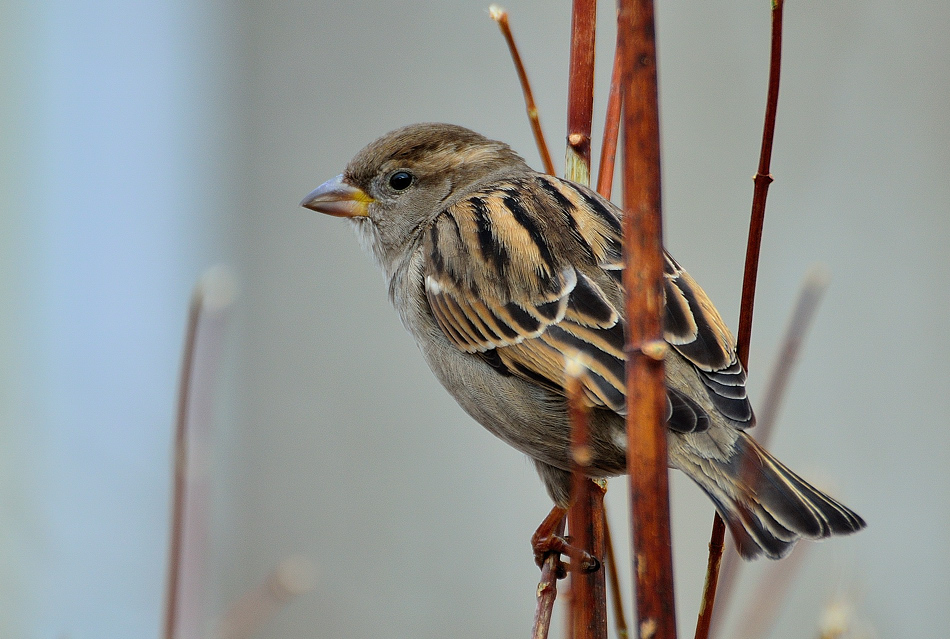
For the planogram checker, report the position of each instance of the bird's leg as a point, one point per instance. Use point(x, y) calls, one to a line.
point(548, 539)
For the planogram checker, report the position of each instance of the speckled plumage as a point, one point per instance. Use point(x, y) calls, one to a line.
point(500, 272)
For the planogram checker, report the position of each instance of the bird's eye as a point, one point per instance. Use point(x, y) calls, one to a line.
point(400, 180)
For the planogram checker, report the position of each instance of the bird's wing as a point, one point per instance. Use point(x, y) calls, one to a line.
point(527, 274)
point(693, 327)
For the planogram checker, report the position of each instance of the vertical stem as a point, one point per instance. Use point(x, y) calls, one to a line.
point(760, 192)
point(620, 619)
point(176, 543)
point(762, 180)
point(579, 514)
point(646, 394)
point(580, 92)
point(608, 152)
point(588, 618)
point(207, 316)
point(589, 596)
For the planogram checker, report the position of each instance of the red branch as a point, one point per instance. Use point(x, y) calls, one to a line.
point(500, 16)
point(547, 591)
point(762, 180)
point(588, 618)
point(608, 152)
point(580, 90)
point(642, 277)
point(589, 591)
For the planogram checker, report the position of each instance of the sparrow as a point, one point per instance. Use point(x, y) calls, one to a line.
point(501, 274)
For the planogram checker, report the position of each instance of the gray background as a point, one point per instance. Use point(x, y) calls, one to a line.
point(142, 144)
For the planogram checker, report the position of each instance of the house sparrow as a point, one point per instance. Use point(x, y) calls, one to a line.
point(500, 273)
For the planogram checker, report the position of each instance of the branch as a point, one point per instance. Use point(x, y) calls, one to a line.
point(547, 591)
point(762, 180)
point(608, 152)
point(500, 16)
point(620, 619)
point(580, 91)
point(642, 278)
point(586, 516)
point(210, 302)
point(588, 617)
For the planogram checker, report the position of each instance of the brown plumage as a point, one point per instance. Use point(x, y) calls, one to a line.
point(500, 273)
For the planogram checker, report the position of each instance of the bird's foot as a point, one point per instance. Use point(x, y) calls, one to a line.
point(549, 538)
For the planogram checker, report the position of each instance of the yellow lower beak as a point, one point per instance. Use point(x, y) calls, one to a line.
point(336, 197)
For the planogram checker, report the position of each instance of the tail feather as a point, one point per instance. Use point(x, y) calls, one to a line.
point(767, 506)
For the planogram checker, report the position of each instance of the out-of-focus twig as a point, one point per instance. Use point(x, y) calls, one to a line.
point(645, 348)
point(762, 180)
point(620, 619)
point(211, 301)
point(500, 16)
point(809, 296)
point(764, 606)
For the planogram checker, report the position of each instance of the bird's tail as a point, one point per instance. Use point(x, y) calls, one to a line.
point(768, 507)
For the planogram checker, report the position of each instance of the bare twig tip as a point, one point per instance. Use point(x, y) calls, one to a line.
point(497, 13)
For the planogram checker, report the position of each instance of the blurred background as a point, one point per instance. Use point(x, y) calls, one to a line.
point(143, 142)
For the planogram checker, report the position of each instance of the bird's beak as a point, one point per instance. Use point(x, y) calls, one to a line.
point(335, 197)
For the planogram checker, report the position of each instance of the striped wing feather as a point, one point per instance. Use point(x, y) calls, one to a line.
point(528, 274)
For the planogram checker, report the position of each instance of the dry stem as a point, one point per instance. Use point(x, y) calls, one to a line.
point(589, 591)
point(610, 560)
point(547, 591)
point(642, 277)
point(580, 91)
point(207, 315)
point(500, 16)
point(608, 152)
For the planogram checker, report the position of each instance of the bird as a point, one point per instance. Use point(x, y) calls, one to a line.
point(502, 274)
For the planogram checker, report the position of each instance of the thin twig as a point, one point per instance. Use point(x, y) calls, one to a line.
point(500, 16)
point(180, 466)
point(643, 281)
point(547, 591)
point(760, 192)
point(610, 559)
point(810, 294)
point(608, 152)
point(207, 314)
